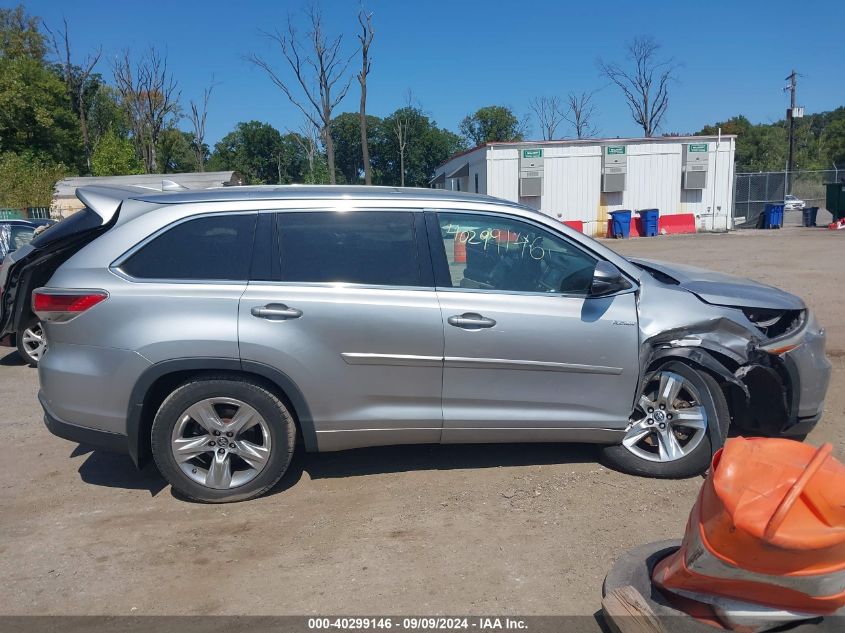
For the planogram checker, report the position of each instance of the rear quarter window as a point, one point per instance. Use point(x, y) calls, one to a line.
point(215, 248)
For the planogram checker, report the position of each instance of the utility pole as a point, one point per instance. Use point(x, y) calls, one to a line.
point(793, 80)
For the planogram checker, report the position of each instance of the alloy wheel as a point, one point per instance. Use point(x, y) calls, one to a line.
point(669, 421)
point(34, 342)
point(221, 443)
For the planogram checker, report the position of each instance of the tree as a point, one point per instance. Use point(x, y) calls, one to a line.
point(28, 181)
point(114, 155)
point(19, 35)
point(346, 135)
point(428, 146)
point(105, 114)
point(549, 114)
point(491, 124)
point(150, 97)
point(580, 114)
point(308, 139)
point(35, 112)
point(402, 119)
point(646, 85)
point(833, 143)
point(177, 151)
point(320, 78)
point(260, 154)
point(198, 115)
point(76, 80)
point(366, 38)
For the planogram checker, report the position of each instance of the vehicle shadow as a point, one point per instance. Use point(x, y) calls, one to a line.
point(12, 359)
point(113, 470)
point(421, 457)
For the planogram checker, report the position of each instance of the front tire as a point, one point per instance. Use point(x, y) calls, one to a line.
point(670, 433)
point(222, 439)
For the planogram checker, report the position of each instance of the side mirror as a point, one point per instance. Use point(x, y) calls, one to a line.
point(607, 279)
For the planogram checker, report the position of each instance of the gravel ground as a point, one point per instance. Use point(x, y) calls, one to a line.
point(528, 529)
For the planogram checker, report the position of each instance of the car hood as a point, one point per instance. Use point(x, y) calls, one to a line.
point(723, 289)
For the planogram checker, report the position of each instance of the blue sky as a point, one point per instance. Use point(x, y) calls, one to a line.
point(459, 55)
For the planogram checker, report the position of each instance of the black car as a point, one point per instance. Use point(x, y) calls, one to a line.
point(13, 235)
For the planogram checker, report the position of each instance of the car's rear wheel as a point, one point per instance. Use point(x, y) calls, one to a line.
point(670, 433)
point(31, 344)
point(222, 439)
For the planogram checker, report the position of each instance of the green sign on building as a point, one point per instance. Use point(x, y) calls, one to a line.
point(615, 149)
point(697, 147)
point(532, 153)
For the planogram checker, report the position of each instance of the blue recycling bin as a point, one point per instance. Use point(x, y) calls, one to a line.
point(773, 216)
point(620, 223)
point(649, 219)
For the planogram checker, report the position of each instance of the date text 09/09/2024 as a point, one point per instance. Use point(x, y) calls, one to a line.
point(418, 623)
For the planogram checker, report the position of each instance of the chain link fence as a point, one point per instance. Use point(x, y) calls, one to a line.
point(753, 191)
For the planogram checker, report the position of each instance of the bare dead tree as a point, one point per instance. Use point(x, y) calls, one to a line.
point(198, 116)
point(402, 129)
point(646, 84)
point(549, 114)
point(580, 114)
point(366, 39)
point(150, 97)
point(319, 73)
point(308, 139)
point(76, 78)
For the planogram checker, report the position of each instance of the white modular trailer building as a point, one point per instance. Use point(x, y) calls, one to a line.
point(584, 180)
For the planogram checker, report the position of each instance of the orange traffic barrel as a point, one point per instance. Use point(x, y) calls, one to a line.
point(768, 529)
point(460, 254)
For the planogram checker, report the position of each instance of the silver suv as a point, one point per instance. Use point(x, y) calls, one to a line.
point(216, 329)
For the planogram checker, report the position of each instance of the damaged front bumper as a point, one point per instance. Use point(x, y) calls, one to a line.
point(773, 388)
point(786, 381)
point(809, 375)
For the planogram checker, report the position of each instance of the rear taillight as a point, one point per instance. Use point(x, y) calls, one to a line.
point(58, 306)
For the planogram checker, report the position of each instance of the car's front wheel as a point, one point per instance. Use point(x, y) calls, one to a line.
point(669, 434)
point(222, 439)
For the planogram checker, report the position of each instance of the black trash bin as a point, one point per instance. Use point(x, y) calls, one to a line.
point(809, 215)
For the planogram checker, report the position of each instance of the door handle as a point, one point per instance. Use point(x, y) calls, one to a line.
point(276, 312)
point(470, 320)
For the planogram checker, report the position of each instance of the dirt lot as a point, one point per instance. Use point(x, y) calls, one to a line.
point(461, 529)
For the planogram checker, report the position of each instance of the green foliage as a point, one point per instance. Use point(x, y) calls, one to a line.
point(19, 35)
point(819, 142)
point(175, 152)
point(35, 112)
point(261, 154)
point(106, 114)
point(492, 123)
point(346, 133)
point(428, 146)
point(833, 142)
point(28, 181)
point(114, 155)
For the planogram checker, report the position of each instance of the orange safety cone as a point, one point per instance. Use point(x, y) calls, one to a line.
point(765, 541)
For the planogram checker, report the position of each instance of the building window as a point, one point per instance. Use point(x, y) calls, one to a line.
point(476, 182)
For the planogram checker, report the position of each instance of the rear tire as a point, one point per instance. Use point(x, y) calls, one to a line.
point(222, 439)
point(31, 344)
point(695, 407)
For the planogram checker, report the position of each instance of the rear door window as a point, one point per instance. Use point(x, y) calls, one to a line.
point(214, 247)
point(357, 247)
